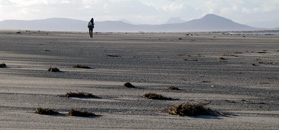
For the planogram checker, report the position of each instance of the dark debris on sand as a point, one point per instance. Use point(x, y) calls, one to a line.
point(46, 111)
point(73, 112)
point(3, 65)
point(155, 96)
point(80, 95)
point(81, 66)
point(221, 59)
point(173, 88)
point(54, 69)
point(129, 85)
point(189, 109)
point(110, 55)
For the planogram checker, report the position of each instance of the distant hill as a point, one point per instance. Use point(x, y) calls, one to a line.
point(209, 22)
point(212, 22)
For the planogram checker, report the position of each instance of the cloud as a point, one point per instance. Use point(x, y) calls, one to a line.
point(121, 9)
point(173, 7)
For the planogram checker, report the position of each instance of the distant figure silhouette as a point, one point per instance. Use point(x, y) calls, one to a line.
point(91, 27)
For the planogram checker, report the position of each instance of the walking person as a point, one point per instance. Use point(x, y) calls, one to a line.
point(91, 27)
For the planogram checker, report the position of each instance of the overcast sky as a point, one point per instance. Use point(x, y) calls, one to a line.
point(140, 11)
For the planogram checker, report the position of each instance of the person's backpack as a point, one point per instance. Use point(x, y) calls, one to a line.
point(90, 25)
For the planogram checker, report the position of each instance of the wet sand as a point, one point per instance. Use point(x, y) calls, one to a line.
point(244, 83)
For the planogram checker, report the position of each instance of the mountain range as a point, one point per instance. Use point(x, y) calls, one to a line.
point(210, 22)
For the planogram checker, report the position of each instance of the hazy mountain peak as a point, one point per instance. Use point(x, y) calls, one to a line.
point(125, 21)
point(213, 17)
point(174, 20)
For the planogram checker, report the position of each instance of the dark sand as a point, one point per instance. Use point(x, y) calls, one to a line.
point(244, 85)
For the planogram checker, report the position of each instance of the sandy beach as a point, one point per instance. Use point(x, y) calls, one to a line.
point(237, 75)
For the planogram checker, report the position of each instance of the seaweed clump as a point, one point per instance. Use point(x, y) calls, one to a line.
point(173, 88)
point(80, 95)
point(54, 69)
point(221, 59)
point(155, 96)
point(110, 55)
point(81, 66)
point(129, 85)
point(3, 65)
point(73, 112)
point(189, 109)
point(46, 111)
